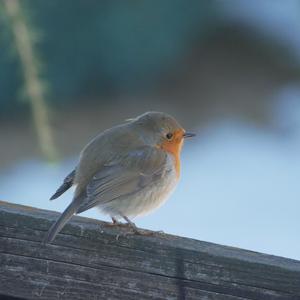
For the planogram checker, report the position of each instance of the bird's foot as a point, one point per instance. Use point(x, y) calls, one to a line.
point(116, 223)
point(133, 230)
point(137, 231)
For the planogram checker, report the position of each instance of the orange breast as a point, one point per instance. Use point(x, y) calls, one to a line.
point(174, 147)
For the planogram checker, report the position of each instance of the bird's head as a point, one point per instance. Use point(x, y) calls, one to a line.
point(162, 131)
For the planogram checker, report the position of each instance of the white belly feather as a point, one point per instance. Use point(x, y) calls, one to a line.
point(147, 200)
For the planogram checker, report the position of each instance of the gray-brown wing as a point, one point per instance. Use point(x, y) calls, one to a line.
point(126, 176)
point(68, 182)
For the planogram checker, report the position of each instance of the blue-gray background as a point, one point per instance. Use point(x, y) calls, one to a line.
point(228, 70)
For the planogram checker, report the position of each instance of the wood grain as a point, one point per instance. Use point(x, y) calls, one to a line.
point(88, 261)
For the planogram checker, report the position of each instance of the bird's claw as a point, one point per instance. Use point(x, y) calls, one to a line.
point(132, 229)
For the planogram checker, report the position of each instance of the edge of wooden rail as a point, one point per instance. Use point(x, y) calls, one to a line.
point(168, 239)
point(94, 260)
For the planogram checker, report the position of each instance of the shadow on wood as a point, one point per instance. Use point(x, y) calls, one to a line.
point(86, 261)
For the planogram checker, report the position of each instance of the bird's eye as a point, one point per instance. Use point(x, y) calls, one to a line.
point(169, 135)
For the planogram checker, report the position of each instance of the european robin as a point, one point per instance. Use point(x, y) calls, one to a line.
point(126, 171)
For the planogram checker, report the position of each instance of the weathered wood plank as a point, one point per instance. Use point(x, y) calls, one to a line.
point(87, 261)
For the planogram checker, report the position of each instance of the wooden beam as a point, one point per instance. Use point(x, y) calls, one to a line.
point(88, 261)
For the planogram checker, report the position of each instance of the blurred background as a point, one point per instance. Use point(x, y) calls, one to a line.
point(227, 70)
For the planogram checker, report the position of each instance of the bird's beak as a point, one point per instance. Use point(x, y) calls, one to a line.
point(188, 134)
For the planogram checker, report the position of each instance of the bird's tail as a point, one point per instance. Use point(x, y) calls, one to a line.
point(62, 220)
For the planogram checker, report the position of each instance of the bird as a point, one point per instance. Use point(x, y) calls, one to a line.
point(126, 171)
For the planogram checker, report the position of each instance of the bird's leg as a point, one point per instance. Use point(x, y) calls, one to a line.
point(131, 224)
point(136, 230)
point(115, 221)
point(128, 223)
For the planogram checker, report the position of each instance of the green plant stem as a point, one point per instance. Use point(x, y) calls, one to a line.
point(33, 84)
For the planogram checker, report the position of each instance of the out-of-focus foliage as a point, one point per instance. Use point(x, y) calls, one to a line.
point(101, 47)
